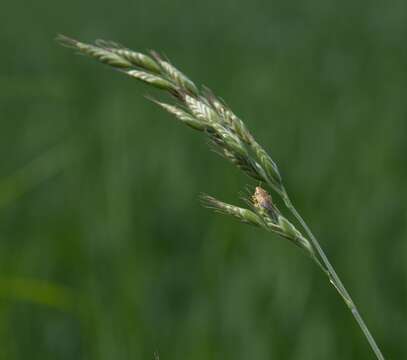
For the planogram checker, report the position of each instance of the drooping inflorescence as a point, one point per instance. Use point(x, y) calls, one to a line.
point(201, 110)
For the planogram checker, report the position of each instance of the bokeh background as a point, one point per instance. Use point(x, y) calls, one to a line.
point(105, 252)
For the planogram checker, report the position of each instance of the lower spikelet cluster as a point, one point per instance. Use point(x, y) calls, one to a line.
point(263, 213)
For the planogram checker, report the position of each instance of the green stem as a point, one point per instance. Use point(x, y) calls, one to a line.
point(334, 278)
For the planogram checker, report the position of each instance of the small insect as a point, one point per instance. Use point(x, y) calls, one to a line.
point(262, 199)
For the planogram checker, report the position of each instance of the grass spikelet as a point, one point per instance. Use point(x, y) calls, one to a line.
point(135, 58)
point(182, 115)
point(244, 215)
point(151, 79)
point(200, 110)
point(177, 76)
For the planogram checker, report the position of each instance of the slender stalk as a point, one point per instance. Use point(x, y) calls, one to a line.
point(334, 279)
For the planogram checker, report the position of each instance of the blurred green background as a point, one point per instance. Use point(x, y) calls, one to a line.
point(105, 252)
